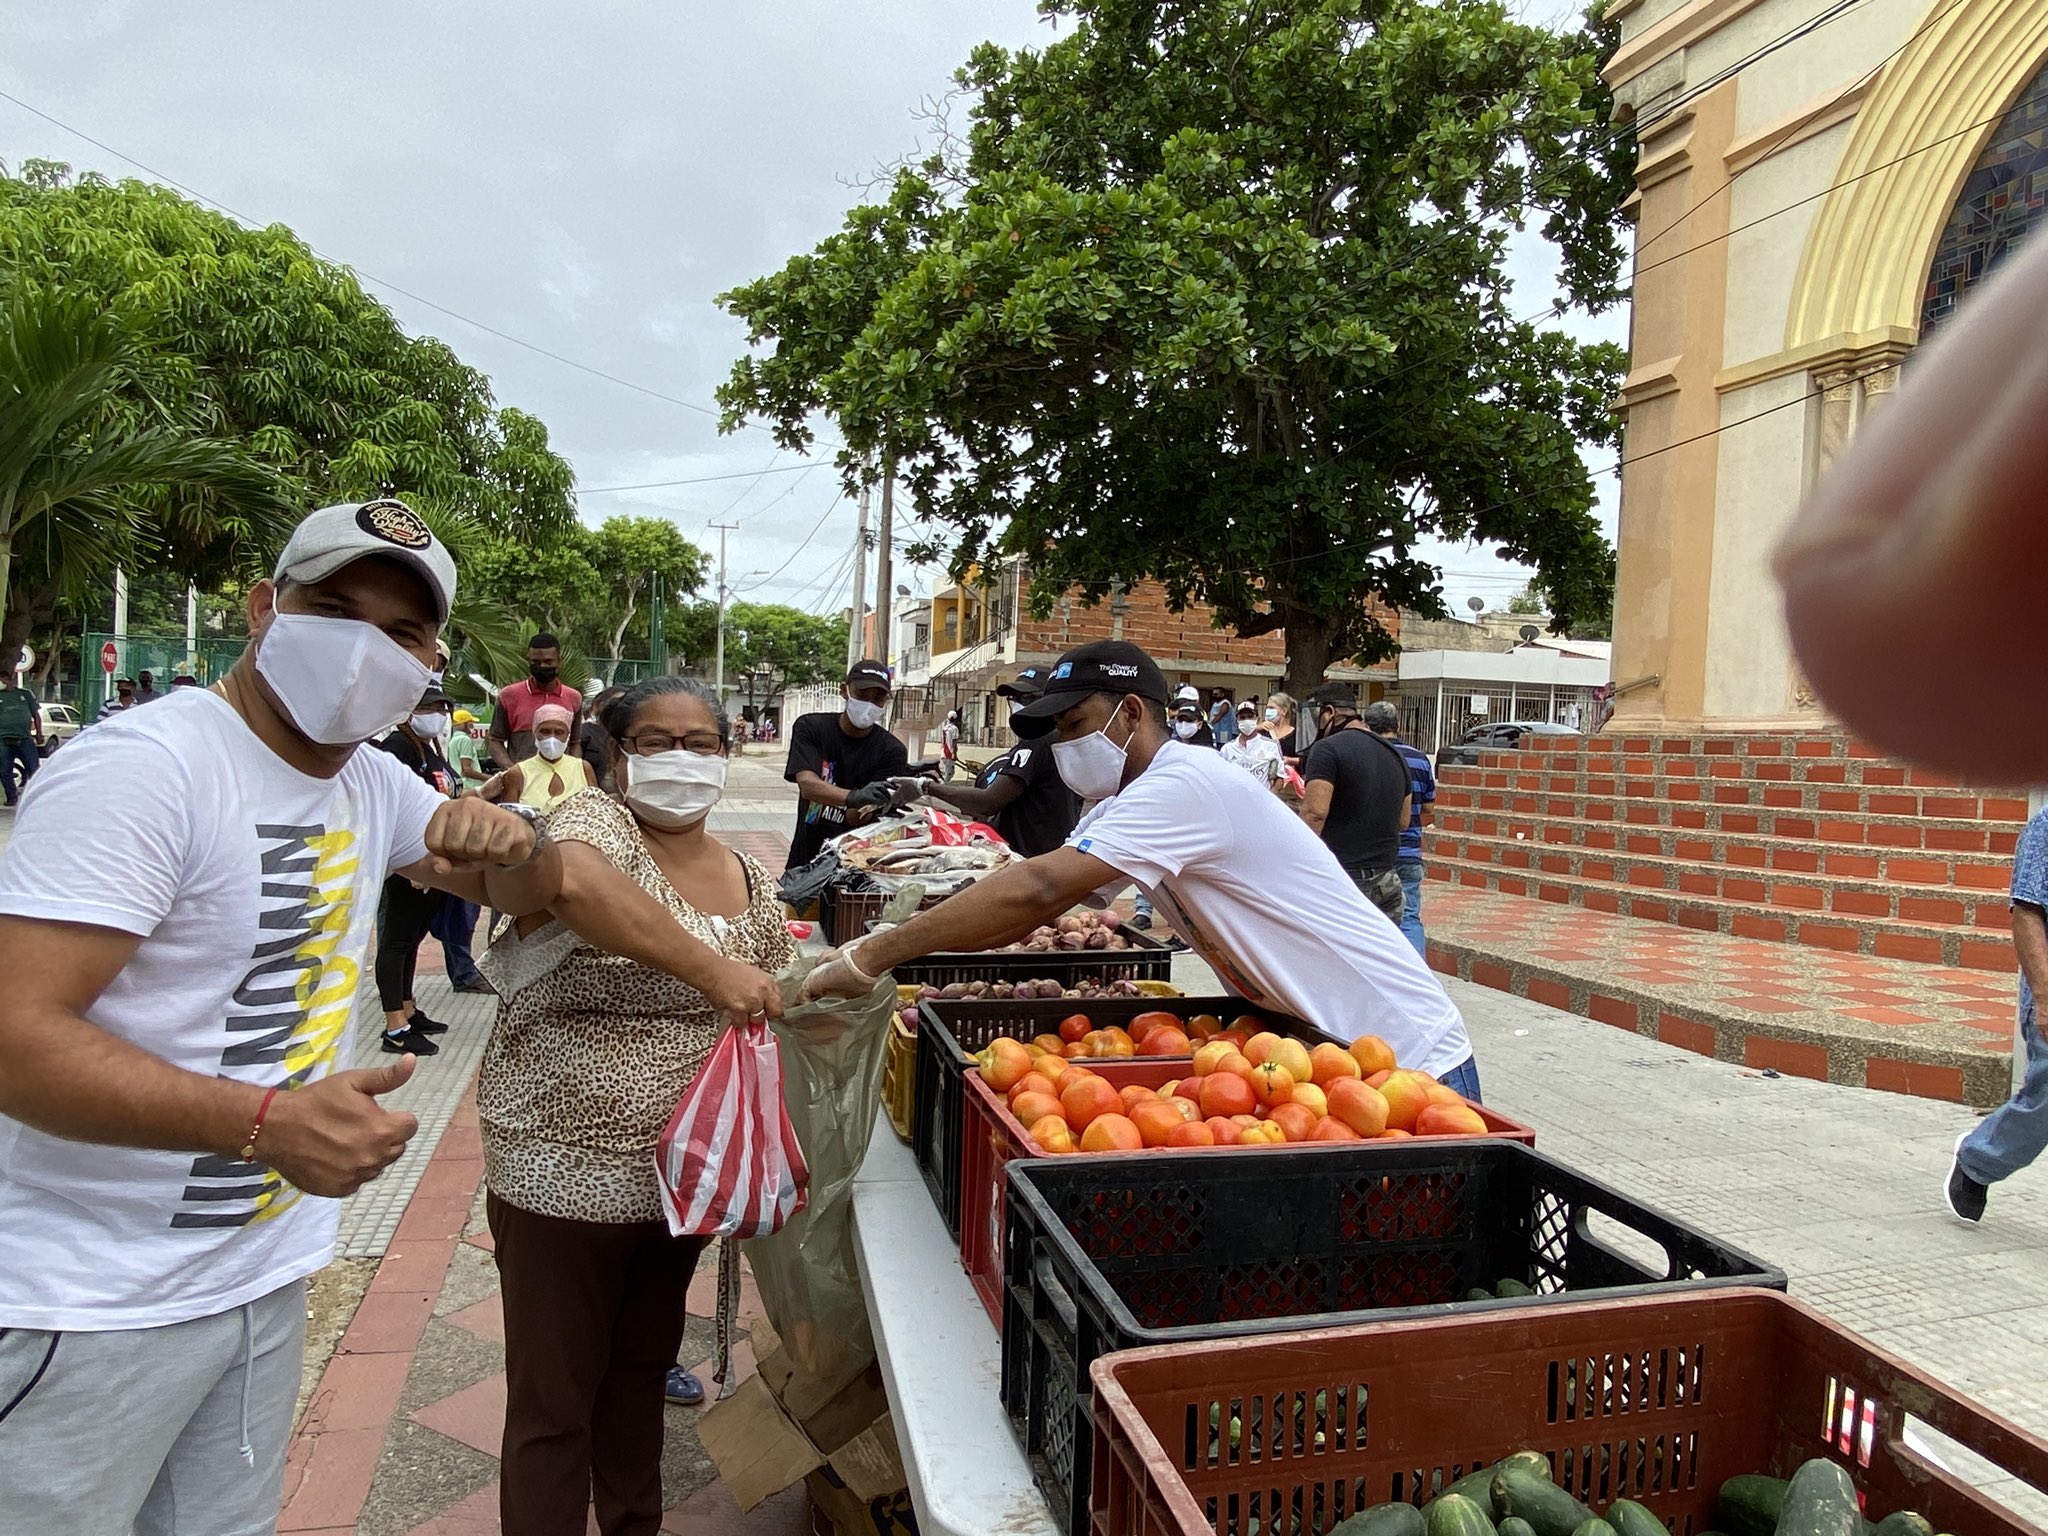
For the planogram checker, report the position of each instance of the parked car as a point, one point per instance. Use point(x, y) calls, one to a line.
point(1497, 736)
point(60, 724)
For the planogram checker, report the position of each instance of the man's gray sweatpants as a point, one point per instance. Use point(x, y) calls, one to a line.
point(171, 1431)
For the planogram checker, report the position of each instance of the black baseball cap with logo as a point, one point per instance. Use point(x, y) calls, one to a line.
point(1101, 666)
point(868, 674)
point(1028, 684)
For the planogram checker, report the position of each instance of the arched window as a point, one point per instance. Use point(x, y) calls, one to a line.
point(2001, 200)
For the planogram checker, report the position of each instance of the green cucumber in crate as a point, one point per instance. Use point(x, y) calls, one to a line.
point(1631, 1519)
point(1820, 1501)
point(1452, 1514)
point(1595, 1527)
point(1907, 1522)
point(1514, 1525)
point(1383, 1520)
point(1531, 1495)
point(1749, 1505)
point(1478, 1486)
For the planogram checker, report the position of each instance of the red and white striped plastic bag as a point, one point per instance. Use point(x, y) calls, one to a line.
point(729, 1162)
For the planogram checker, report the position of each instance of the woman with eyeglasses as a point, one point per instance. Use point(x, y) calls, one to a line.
point(590, 1053)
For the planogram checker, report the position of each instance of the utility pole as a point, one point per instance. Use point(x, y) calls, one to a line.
point(718, 665)
point(885, 593)
point(854, 648)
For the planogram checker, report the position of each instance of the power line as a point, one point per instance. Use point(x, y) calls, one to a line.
point(662, 485)
point(837, 498)
point(384, 283)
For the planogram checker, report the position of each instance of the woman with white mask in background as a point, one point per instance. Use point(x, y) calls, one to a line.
point(408, 909)
point(584, 1067)
point(552, 774)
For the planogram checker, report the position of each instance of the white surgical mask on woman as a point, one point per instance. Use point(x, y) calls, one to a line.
point(673, 789)
point(431, 724)
point(1092, 767)
point(550, 747)
point(1272, 715)
point(863, 714)
point(340, 681)
point(1185, 729)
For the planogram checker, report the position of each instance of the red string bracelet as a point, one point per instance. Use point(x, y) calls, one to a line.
point(249, 1151)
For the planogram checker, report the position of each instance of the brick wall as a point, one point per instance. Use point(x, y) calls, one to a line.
point(1170, 637)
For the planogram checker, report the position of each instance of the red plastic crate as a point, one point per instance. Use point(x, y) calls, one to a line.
point(1654, 1399)
point(991, 1138)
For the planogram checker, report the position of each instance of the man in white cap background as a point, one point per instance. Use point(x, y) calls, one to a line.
point(185, 906)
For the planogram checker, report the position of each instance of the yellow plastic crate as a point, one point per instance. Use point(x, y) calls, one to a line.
point(899, 1078)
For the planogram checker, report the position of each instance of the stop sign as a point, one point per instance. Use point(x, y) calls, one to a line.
point(109, 657)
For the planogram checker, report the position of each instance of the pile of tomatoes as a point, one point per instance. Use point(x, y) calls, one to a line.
point(1245, 1086)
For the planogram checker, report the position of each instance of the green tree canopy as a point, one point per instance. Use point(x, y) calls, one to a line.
point(245, 337)
point(1216, 291)
point(591, 585)
point(794, 648)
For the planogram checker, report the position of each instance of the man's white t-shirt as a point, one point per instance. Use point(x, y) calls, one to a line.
point(1263, 900)
point(1256, 755)
point(254, 890)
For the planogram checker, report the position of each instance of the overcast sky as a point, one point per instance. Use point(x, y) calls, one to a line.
point(584, 178)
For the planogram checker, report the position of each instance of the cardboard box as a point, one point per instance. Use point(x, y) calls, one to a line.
point(849, 1516)
point(784, 1424)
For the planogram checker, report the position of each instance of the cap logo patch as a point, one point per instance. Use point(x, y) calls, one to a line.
point(395, 523)
point(1118, 669)
point(1064, 669)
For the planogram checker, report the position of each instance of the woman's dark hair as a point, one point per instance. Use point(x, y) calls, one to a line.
point(617, 716)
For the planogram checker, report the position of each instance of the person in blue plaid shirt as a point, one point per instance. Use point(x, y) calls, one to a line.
point(1381, 720)
point(2012, 1136)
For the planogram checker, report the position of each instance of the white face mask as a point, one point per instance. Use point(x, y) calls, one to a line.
point(1246, 725)
point(340, 681)
point(432, 725)
point(1272, 715)
point(1185, 729)
point(550, 747)
point(673, 789)
point(863, 714)
point(1092, 767)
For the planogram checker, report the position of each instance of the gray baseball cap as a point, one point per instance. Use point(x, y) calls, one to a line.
point(339, 535)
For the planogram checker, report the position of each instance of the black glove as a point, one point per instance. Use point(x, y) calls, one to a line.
point(870, 797)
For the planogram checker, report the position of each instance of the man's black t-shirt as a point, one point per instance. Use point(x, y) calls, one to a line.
point(427, 761)
point(1040, 818)
point(817, 745)
point(1368, 780)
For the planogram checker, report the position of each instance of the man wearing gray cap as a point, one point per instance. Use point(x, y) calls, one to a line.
point(186, 904)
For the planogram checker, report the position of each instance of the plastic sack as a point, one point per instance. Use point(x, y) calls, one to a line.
point(832, 1056)
point(730, 1162)
point(949, 831)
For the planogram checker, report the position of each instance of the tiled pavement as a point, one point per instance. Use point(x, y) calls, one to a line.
point(1934, 1031)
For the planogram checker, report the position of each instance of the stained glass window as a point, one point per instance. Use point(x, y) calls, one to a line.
point(2001, 199)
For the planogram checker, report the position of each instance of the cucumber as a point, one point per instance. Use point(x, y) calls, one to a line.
point(1519, 1490)
point(1595, 1527)
point(1820, 1501)
point(1383, 1520)
point(1478, 1293)
point(1750, 1505)
point(1478, 1486)
point(1514, 1525)
point(1907, 1522)
point(1508, 1290)
point(1630, 1519)
point(1452, 1514)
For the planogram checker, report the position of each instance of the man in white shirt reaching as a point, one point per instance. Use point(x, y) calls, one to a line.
point(185, 906)
point(1252, 889)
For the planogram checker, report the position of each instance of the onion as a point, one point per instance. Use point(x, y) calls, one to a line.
point(1098, 940)
point(1111, 920)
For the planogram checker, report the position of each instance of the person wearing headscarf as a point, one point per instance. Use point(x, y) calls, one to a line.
point(552, 774)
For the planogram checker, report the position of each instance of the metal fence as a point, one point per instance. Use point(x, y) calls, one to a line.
point(1441, 716)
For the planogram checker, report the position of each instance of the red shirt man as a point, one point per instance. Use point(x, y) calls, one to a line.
point(511, 734)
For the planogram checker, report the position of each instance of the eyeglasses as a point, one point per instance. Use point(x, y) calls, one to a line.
point(654, 743)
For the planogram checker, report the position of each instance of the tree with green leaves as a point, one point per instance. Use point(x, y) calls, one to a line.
point(1216, 291)
point(245, 337)
point(84, 487)
point(629, 553)
point(770, 647)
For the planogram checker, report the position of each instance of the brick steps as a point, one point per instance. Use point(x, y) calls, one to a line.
point(1928, 1030)
point(1800, 891)
point(1524, 770)
point(1857, 861)
point(1976, 949)
point(1523, 790)
point(1997, 838)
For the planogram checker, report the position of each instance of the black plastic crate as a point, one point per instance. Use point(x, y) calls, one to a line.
point(1151, 1249)
point(949, 1032)
point(1148, 959)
